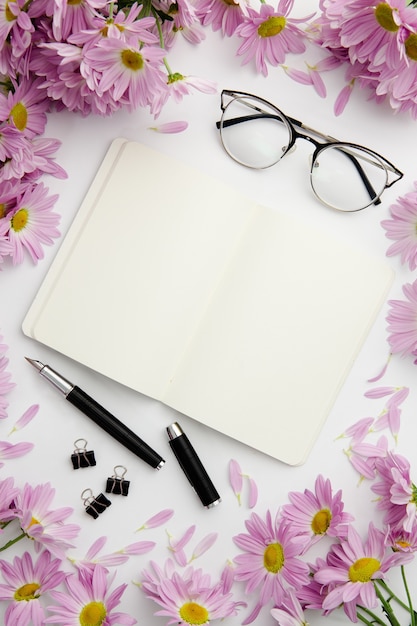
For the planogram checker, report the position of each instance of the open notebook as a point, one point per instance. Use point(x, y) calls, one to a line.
point(176, 285)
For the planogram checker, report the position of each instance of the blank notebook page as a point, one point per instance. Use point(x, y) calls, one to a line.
point(234, 314)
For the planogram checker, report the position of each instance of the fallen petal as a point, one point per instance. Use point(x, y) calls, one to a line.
point(170, 127)
point(253, 493)
point(158, 519)
point(27, 416)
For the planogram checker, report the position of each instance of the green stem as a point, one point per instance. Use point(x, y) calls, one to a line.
point(168, 69)
point(146, 9)
point(392, 595)
point(363, 619)
point(375, 618)
point(159, 28)
point(4, 524)
point(407, 593)
point(13, 541)
point(161, 41)
point(386, 607)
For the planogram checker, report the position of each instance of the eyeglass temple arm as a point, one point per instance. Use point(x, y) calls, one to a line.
point(357, 165)
point(389, 166)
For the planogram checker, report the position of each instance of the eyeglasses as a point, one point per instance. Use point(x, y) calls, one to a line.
point(344, 176)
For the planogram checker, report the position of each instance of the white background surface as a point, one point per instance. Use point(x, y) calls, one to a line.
point(58, 424)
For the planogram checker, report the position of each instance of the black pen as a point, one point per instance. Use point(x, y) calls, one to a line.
point(99, 415)
point(192, 466)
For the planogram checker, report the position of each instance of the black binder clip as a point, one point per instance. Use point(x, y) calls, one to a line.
point(82, 457)
point(94, 506)
point(117, 484)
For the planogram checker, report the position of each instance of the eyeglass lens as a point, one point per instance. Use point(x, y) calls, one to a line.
point(343, 176)
point(260, 136)
point(347, 178)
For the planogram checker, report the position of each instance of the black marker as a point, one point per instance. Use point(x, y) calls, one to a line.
point(99, 415)
point(192, 466)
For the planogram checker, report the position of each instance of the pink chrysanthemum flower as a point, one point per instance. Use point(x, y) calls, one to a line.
point(352, 567)
point(26, 583)
point(402, 228)
point(126, 70)
point(45, 526)
point(9, 191)
point(8, 494)
point(121, 26)
point(11, 141)
point(397, 493)
point(89, 601)
point(269, 35)
point(317, 514)
point(399, 84)
point(31, 223)
point(270, 560)
point(25, 108)
point(44, 159)
point(16, 155)
point(402, 322)
point(403, 541)
point(290, 613)
point(179, 86)
point(223, 15)
point(311, 596)
point(367, 28)
point(14, 20)
point(71, 17)
point(190, 599)
point(60, 65)
point(184, 22)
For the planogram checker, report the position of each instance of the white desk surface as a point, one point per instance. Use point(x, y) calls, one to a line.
point(58, 424)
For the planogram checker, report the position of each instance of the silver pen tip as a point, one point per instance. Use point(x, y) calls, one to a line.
point(35, 363)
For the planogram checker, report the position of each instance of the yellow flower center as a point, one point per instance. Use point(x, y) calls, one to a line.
point(321, 521)
point(110, 22)
point(194, 613)
point(402, 544)
point(383, 15)
point(272, 26)
point(274, 557)
point(132, 60)
point(93, 614)
point(2, 209)
point(9, 15)
point(27, 592)
point(74, 3)
point(411, 46)
point(18, 222)
point(362, 570)
point(19, 114)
